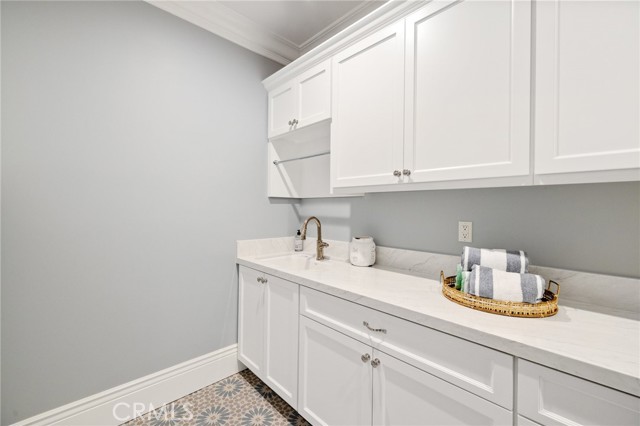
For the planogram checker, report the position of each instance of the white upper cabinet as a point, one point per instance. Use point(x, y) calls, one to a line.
point(302, 101)
point(282, 109)
point(450, 94)
point(587, 89)
point(367, 126)
point(467, 99)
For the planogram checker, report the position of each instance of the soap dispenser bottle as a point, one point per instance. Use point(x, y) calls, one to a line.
point(297, 241)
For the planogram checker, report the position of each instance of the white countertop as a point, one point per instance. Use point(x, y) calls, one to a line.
point(602, 348)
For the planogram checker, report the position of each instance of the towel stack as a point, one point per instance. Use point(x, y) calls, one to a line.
point(498, 274)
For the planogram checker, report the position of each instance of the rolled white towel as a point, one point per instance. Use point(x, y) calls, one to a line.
point(507, 286)
point(504, 260)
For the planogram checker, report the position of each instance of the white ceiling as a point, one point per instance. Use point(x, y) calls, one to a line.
point(281, 30)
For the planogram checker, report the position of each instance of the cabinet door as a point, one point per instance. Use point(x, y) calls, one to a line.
point(335, 382)
point(282, 109)
point(314, 95)
point(367, 96)
point(468, 90)
point(550, 397)
point(523, 421)
point(251, 296)
point(281, 340)
point(587, 87)
point(405, 395)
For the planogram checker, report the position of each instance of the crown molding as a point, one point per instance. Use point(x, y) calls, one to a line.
point(227, 23)
point(389, 12)
point(334, 27)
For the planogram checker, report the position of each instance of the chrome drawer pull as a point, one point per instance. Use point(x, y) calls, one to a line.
point(377, 330)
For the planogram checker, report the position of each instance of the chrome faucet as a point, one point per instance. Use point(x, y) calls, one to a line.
point(320, 245)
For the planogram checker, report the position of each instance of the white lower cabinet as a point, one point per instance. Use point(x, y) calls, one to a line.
point(334, 377)
point(489, 376)
point(268, 330)
point(523, 421)
point(550, 397)
point(340, 363)
point(344, 381)
point(405, 395)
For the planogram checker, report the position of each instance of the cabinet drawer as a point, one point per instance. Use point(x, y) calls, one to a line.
point(550, 397)
point(478, 369)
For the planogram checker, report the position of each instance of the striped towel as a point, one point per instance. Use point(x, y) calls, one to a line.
point(510, 261)
point(507, 286)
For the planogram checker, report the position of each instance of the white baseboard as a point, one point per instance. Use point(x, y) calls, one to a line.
point(144, 394)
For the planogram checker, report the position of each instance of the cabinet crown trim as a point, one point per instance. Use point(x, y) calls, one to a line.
point(386, 14)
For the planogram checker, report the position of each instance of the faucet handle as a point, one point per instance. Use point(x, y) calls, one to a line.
point(323, 244)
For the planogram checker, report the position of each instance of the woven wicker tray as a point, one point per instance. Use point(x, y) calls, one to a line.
point(543, 309)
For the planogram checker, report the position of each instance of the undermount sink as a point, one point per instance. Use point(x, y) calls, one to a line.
point(296, 261)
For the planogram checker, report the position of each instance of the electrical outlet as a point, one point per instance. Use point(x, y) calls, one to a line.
point(465, 232)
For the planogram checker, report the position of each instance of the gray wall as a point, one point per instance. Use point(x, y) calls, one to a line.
point(591, 227)
point(133, 157)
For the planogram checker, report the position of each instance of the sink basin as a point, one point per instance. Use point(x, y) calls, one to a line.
point(297, 261)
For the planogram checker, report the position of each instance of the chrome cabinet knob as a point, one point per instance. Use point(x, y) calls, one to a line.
point(290, 122)
point(365, 357)
point(262, 280)
point(375, 363)
point(259, 279)
point(406, 172)
point(397, 173)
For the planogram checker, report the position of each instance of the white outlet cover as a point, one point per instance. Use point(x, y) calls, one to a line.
point(465, 232)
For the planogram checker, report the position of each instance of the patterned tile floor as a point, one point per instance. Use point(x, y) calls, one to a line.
point(241, 399)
